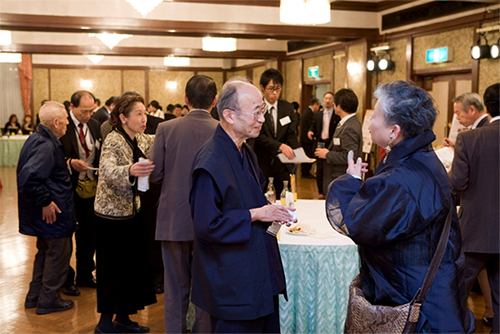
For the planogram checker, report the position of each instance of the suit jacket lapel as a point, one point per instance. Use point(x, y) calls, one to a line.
point(72, 136)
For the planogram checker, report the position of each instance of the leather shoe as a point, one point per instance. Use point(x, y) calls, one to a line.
point(31, 302)
point(488, 321)
point(99, 330)
point(159, 288)
point(63, 305)
point(89, 283)
point(71, 290)
point(133, 327)
point(308, 176)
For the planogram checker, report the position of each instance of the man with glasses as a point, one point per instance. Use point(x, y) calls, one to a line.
point(237, 271)
point(81, 145)
point(278, 131)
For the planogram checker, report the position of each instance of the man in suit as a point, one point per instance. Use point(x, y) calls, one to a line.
point(348, 136)
point(81, 145)
point(474, 173)
point(278, 131)
point(102, 114)
point(46, 210)
point(174, 148)
point(237, 270)
point(322, 128)
point(307, 143)
point(470, 112)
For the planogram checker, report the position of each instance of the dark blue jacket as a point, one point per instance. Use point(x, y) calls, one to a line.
point(396, 219)
point(237, 268)
point(43, 177)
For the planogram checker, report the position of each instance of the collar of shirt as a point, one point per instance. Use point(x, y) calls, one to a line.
point(77, 122)
point(109, 111)
point(478, 120)
point(496, 118)
point(329, 111)
point(343, 120)
point(275, 105)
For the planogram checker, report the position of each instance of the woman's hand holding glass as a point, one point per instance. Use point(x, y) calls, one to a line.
point(357, 168)
point(142, 168)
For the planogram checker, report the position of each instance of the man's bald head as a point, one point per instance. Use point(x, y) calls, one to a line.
point(53, 115)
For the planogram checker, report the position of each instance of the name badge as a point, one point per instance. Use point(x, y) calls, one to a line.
point(336, 141)
point(285, 120)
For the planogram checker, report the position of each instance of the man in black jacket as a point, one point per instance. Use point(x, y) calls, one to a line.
point(306, 121)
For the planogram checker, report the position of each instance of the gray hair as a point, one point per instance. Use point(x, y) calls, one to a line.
point(406, 105)
point(228, 97)
point(468, 100)
point(51, 110)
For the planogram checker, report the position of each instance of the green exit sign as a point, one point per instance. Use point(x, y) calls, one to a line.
point(313, 72)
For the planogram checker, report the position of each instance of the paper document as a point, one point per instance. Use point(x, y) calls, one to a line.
point(300, 156)
point(445, 154)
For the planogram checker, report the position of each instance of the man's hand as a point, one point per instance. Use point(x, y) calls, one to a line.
point(447, 142)
point(321, 152)
point(355, 169)
point(49, 212)
point(79, 165)
point(270, 213)
point(287, 151)
point(310, 135)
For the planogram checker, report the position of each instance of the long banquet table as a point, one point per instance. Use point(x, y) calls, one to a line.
point(318, 269)
point(10, 147)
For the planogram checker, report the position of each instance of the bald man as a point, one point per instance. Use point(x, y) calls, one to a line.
point(46, 209)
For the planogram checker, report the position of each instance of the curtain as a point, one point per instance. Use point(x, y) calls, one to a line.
point(25, 77)
point(10, 93)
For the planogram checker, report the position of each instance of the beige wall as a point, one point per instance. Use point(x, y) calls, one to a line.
point(40, 88)
point(489, 69)
point(158, 86)
point(460, 40)
point(340, 71)
point(356, 77)
point(134, 81)
point(324, 62)
point(293, 84)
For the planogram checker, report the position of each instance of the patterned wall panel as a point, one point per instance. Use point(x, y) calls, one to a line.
point(489, 69)
point(217, 76)
point(291, 71)
point(324, 62)
point(64, 82)
point(159, 91)
point(340, 71)
point(40, 88)
point(256, 73)
point(356, 66)
point(135, 81)
point(460, 40)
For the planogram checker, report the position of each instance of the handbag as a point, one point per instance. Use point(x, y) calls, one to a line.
point(86, 188)
point(363, 317)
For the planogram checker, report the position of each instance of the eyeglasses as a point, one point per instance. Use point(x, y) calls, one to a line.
point(271, 89)
point(256, 114)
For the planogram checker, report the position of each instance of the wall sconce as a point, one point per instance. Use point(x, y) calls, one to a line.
point(479, 51)
point(495, 50)
point(380, 63)
point(86, 84)
point(171, 84)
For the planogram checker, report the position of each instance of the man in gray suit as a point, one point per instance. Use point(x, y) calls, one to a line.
point(474, 173)
point(347, 137)
point(174, 148)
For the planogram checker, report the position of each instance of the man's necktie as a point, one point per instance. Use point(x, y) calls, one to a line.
point(271, 118)
point(82, 141)
point(326, 126)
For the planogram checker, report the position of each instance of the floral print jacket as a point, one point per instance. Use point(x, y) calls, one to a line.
point(115, 197)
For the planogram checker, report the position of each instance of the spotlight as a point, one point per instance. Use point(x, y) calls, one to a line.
point(370, 65)
point(495, 50)
point(479, 51)
point(386, 63)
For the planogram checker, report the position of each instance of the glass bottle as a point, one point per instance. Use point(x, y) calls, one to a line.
point(271, 191)
point(283, 192)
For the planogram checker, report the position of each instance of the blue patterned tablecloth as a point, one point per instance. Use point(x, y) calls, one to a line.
point(10, 149)
point(318, 272)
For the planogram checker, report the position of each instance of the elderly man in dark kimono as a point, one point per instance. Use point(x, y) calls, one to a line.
point(237, 270)
point(397, 216)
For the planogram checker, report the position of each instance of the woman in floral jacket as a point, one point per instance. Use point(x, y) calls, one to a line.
point(124, 280)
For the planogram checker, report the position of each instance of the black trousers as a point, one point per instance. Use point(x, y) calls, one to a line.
point(309, 149)
point(267, 324)
point(474, 263)
point(50, 269)
point(85, 237)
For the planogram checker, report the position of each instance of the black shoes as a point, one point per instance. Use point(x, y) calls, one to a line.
point(63, 305)
point(102, 330)
point(159, 288)
point(71, 290)
point(133, 327)
point(308, 176)
point(31, 302)
point(89, 283)
point(488, 321)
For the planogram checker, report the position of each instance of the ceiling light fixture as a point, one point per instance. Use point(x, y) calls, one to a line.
point(219, 44)
point(5, 37)
point(144, 6)
point(10, 57)
point(305, 11)
point(95, 58)
point(175, 61)
point(479, 51)
point(110, 39)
